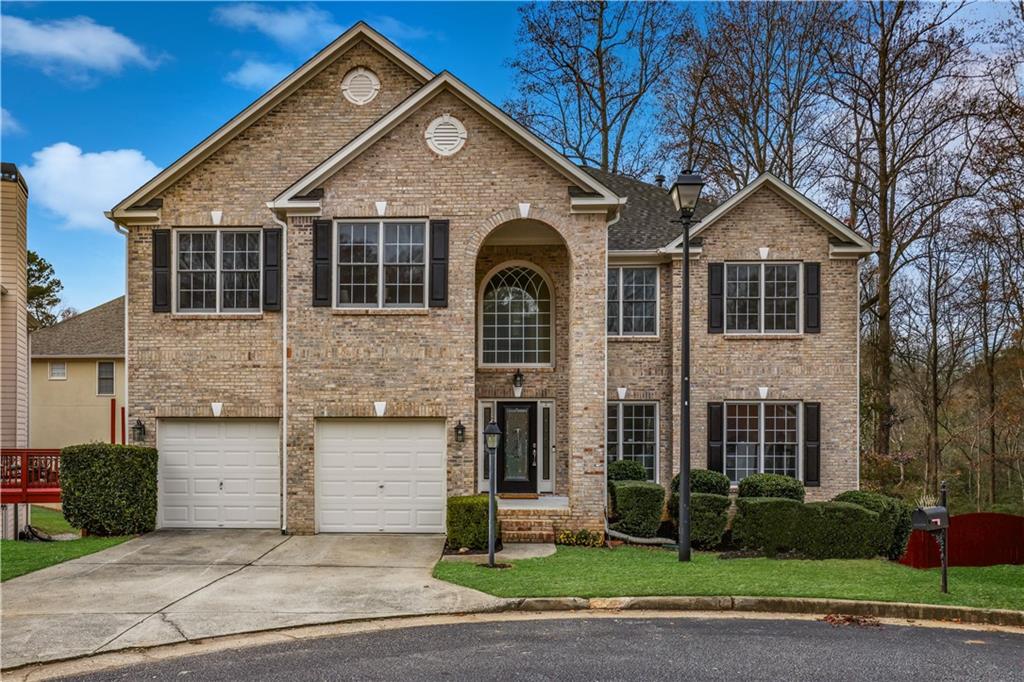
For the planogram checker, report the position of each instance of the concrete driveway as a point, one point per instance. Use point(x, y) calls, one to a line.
point(172, 586)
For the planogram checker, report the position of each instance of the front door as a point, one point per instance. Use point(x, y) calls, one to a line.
point(517, 453)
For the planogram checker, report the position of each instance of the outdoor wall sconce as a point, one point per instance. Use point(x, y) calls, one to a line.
point(517, 384)
point(138, 431)
point(460, 432)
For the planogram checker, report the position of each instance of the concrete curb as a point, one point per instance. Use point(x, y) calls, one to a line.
point(783, 605)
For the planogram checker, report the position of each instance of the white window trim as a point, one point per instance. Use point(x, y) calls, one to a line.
point(760, 310)
point(217, 255)
point(380, 263)
point(543, 486)
point(49, 371)
point(618, 437)
point(480, 316)
point(760, 433)
point(657, 301)
point(113, 379)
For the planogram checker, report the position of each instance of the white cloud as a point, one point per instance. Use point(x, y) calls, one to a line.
point(73, 48)
point(395, 29)
point(78, 187)
point(256, 75)
point(295, 26)
point(8, 124)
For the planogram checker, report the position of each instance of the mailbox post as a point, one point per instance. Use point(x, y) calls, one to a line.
point(935, 520)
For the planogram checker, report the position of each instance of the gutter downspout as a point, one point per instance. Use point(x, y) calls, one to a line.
point(122, 230)
point(618, 216)
point(284, 370)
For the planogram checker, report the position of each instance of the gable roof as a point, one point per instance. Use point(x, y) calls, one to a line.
point(648, 219)
point(594, 197)
point(98, 332)
point(264, 103)
point(850, 244)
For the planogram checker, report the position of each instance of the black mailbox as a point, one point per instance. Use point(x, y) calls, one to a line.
point(930, 518)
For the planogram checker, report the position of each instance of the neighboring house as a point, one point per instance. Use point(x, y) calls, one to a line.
point(14, 385)
point(78, 379)
point(359, 265)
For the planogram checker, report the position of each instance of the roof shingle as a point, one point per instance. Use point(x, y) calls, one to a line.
point(98, 332)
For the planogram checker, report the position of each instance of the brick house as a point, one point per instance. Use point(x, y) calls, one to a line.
point(332, 294)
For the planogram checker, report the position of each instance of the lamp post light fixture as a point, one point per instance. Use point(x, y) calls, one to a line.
point(685, 192)
point(492, 436)
point(460, 432)
point(138, 431)
point(517, 384)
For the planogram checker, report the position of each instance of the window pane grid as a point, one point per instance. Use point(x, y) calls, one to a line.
point(632, 301)
point(741, 440)
point(105, 378)
point(781, 297)
point(404, 263)
point(358, 251)
point(516, 318)
point(613, 301)
point(743, 297)
point(240, 270)
point(197, 271)
point(632, 433)
point(780, 437)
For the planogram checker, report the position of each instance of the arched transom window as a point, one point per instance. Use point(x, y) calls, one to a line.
point(516, 324)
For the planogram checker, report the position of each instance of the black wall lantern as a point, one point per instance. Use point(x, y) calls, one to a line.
point(517, 384)
point(460, 432)
point(138, 432)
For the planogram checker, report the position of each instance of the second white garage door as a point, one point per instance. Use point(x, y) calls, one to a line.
point(380, 475)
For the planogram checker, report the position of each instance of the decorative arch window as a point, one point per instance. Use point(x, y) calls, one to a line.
point(516, 318)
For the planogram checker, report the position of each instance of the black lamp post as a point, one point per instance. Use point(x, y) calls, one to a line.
point(685, 192)
point(492, 434)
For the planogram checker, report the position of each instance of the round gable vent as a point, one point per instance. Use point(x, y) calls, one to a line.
point(360, 85)
point(445, 135)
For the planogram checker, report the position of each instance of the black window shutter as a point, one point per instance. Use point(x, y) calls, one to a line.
point(812, 298)
point(272, 269)
point(321, 263)
point(438, 264)
point(161, 271)
point(716, 418)
point(716, 299)
point(812, 444)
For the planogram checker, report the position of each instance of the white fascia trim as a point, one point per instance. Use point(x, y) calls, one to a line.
point(389, 121)
point(127, 217)
point(268, 100)
point(851, 251)
point(827, 220)
point(296, 207)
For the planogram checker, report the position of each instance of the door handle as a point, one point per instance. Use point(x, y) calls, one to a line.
point(534, 456)
point(221, 485)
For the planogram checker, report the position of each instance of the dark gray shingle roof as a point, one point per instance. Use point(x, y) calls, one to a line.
point(98, 332)
point(647, 217)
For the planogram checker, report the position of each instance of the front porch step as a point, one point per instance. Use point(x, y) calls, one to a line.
point(527, 530)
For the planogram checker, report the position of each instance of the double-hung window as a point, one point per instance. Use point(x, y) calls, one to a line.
point(761, 438)
point(762, 298)
point(218, 270)
point(104, 378)
point(632, 301)
point(381, 264)
point(632, 433)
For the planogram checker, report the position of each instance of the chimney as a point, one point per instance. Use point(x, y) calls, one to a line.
point(659, 180)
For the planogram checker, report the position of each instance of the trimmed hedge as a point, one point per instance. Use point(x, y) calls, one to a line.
point(767, 524)
point(109, 489)
point(639, 505)
point(705, 481)
point(626, 470)
point(772, 485)
point(467, 522)
point(838, 530)
point(708, 517)
point(893, 519)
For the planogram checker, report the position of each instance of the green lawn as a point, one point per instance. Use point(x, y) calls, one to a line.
point(50, 521)
point(18, 557)
point(634, 572)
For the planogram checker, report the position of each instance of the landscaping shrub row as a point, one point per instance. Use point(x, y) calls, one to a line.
point(109, 489)
point(467, 522)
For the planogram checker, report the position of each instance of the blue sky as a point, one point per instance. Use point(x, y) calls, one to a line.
point(97, 97)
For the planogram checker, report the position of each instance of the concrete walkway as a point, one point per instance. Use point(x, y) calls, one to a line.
point(173, 586)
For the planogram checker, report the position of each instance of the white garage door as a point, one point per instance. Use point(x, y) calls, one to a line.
point(219, 473)
point(380, 475)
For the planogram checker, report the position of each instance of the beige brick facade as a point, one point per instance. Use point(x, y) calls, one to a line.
point(423, 362)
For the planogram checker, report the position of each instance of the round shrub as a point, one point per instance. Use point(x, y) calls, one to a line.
point(767, 524)
point(708, 517)
point(467, 522)
point(639, 505)
point(893, 519)
point(626, 470)
point(838, 530)
point(705, 481)
point(109, 489)
point(772, 485)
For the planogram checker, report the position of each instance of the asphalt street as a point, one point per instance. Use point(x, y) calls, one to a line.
point(616, 649)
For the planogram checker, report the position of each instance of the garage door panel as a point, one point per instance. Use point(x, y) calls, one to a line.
point(219, 473)
point(370, 474)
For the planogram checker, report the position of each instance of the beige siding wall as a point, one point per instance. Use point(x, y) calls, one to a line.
point(69, 411)
point(14, 385)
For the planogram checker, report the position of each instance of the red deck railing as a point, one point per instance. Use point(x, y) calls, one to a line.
point(29, 476)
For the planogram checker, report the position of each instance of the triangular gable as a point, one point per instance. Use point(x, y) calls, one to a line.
point(853, 244)
point(266, 102)
point(596, 197)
